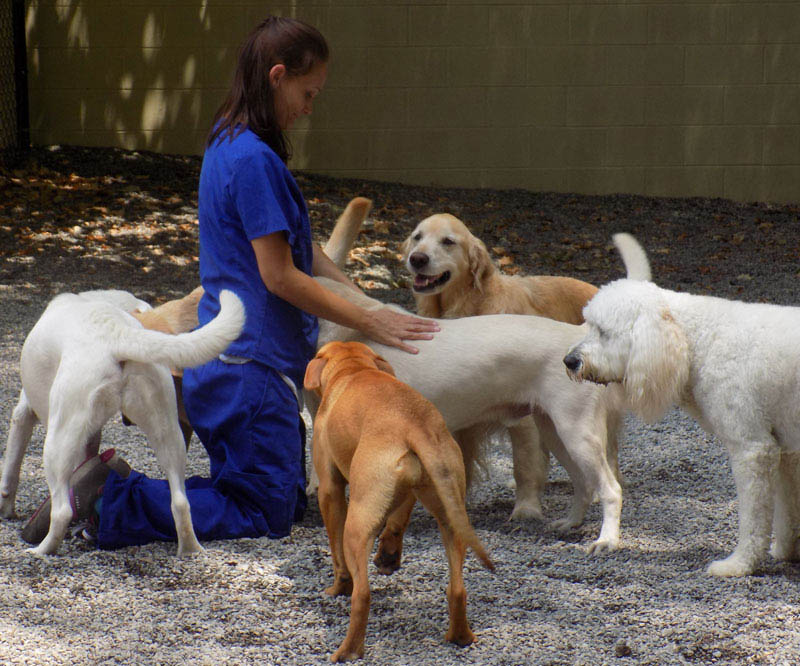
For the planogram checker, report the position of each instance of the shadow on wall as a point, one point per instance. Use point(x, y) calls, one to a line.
point(137, 77)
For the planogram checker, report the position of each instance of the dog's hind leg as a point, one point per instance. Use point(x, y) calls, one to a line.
point(148, 398)
point(459, 631)
point(64, 447)
point(755, 471)
point(786, 516)
point(374, 489)
point(531, 462)
point(19, 434)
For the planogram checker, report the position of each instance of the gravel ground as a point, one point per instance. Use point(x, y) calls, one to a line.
point(73, 219)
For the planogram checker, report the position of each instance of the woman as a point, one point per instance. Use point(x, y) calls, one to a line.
point(255, 240)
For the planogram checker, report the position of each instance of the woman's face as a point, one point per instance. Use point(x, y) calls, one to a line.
point(294, 95)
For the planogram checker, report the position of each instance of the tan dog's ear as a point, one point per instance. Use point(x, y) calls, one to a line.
point(405, 247)
point(384, 365)
point(313, 379)
point(480, 263)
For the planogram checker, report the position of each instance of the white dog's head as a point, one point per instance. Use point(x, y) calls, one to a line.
point(633, 339)
point(441, 252)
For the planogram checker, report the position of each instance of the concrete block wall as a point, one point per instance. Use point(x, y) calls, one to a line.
point(658, 97)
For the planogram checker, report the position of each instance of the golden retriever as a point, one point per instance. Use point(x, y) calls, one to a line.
point(454, 276)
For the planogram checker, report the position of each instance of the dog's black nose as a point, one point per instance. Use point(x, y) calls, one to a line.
point(572, 361)
point(418, 260)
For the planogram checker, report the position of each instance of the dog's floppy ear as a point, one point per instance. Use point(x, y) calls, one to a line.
point(313, 379)
point(405, 247)
point(658, 363)
point(384, 365)
point(480, 263)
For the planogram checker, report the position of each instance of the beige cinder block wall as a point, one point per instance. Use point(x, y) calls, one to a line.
point(653, 97)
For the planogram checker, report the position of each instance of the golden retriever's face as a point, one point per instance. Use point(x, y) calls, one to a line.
point(437, 252)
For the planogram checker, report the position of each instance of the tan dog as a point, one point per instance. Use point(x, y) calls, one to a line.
point(454, 276)
point(389, 443)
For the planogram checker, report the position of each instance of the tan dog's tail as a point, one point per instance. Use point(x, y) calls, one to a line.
point(439, 464)
point(346, 229)
point(129, 343)
point(633, 256)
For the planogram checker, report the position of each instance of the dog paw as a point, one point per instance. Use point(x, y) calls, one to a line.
point(564, 524)
point(461, 637)
point(340, 588)
point(527, 511)
point(386, 562)
point(729, 567)
point(603, 546)
point(346, 654)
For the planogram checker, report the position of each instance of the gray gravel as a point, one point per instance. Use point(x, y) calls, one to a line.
point(260, 601)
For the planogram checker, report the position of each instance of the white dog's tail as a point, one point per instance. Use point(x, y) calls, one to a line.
point(186, 350)
point(633, 256)
point(346, 229)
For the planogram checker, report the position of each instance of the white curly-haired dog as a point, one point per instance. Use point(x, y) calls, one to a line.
point(733, 366)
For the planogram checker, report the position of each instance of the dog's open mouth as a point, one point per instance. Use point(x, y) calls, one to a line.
point(429, 282)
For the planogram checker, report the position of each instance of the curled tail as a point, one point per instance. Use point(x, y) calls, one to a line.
point(346, 229)
point(131, 343)
point(633, 256)
point(440, 464)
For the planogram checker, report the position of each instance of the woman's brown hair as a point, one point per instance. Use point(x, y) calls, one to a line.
point(250, 102)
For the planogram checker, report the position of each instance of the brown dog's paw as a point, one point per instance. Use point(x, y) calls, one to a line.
point(340, 587)
point(346, 653)
point(462, 637)
point(387, 562)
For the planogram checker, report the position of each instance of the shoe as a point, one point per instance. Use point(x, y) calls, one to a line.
point(39, 523)
point(86, 482)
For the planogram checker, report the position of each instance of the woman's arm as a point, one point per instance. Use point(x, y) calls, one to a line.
point(323, 266)
point(283, 279)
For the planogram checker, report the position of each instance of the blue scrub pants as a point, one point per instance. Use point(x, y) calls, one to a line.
point(247, 418)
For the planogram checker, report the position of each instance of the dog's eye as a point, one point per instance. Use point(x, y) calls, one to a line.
point(417, 236)
point(448, 241)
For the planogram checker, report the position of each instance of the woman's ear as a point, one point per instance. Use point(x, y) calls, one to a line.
point(276, 74)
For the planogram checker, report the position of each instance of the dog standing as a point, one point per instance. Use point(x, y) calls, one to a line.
point(735, 367)
point(86, 359)
point(388, 443)
point(454, 276)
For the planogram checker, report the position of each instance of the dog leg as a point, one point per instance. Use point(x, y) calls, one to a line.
point(581, 498)
point(786, 517)
point(459, 631)
point(370, 493)
point(19, 434)
point(63, 449)
point(148, 398)
point(531, 462)
point(333, 507)
point(755, 471)
point(583, 454)
point(390, 544)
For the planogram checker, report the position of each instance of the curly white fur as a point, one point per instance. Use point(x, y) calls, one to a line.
point(735, 367)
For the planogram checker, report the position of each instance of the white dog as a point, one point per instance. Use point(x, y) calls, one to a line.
point(490, 371)
point(735, 367)
point(86, 359)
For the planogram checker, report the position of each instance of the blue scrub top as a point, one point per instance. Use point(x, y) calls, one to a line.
point(246, 192)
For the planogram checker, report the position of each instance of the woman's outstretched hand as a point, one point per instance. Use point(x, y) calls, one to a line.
point(390, 327)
